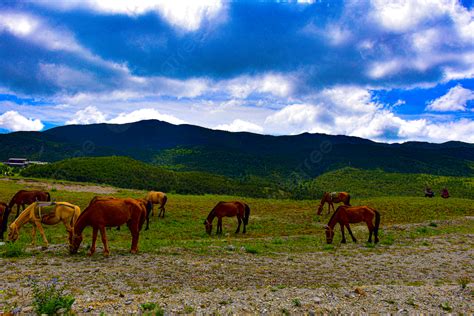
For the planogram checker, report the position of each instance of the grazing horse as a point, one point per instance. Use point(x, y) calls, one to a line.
point(112, 212)
point(4, 212)
point(147, 204)
point(61, 212)
point(24, 197)
point(228, 209)
point(353, 214)
point(158, 198)
point(333, 197)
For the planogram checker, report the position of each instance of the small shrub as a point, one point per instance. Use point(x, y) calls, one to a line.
point(277, 241)
point(464, 281)
point(48, 298)
point(433, 224)
point(285, 312)
point(250, 249)
point(446, 307)
point(53, 189)
point(422, 230)
point(296, 302)
point(148, 306)
point(188, 309)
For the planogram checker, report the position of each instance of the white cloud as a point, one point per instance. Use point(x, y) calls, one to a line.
point(89, 115)
point(240, 126)
point(14, 121)
point(92, 115)
point(403, 15)
point(187, 15)
point(455, 100)
point(274, 84)
point(145, 114)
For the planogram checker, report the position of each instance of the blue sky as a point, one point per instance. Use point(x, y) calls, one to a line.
point(389, 71)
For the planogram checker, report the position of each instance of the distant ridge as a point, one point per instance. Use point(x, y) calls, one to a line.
point(193, 148)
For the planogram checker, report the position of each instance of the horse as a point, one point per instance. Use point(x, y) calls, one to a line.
point(112, 212)
point(353, 214)
point(158, 198)
point(228, 209)
point(334, 197)
point(61, 212)
point(147, 204)
point(4, 213)
point(24, 197)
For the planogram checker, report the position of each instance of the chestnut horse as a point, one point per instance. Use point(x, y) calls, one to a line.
point(4, 212)
point(353, 214)
point(62, 212)
point(147, 204)
point(334, 197)
point(158, 198)
point(24, 197)
point(103, 213)
point(228, 209)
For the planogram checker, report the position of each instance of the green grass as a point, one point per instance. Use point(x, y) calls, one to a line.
point(276, 225)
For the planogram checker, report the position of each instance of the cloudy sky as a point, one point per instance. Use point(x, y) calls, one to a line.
point(389, 71)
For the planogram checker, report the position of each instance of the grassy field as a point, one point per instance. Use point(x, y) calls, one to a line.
point(283, 265)
point(275, 225)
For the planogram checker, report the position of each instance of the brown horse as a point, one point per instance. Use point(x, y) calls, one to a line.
point(353, 214)
point(159, 198)
point(62, 212)
point(333, 197)
point(147, 204)
point(103, 213)
point(24, 197)
point(228, 209)
point(4, 212)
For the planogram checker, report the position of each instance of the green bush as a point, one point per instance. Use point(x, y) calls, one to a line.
point(50, 297)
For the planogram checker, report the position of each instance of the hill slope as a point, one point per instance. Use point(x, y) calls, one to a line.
point(192, 148)
point(128, 173)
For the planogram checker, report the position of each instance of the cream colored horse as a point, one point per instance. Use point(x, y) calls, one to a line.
point(61, 212)
point(158, 198)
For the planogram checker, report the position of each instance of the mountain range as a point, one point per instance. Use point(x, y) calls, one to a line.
point(237, 154)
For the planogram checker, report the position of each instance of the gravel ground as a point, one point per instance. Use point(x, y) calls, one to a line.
point(387, 279)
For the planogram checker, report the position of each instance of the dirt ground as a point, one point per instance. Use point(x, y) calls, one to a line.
point(386, 279)
point(62, 186)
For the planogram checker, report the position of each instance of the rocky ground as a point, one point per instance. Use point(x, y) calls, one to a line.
point(425, 277)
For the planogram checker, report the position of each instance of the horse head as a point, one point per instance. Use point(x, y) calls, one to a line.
point(208, 226)
point(329, 234)
point(13, 233)
point(75, 243)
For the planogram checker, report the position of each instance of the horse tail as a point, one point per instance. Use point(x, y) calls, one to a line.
point(4, 223)
point(247, 214)
point(48, 197)
point(348, 200)
point(377, 223)
point(165, 199)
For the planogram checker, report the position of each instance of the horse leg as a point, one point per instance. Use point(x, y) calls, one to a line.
point(147, 217)
point(104, 241)
point(135, 235)
point(68, 229)
point(41, 230)
point(18, 210)
point(343, 241)
point(162, 211)
point(329, 207)
point(219, 225)
point(350, 232)
point(238, 227)
point(33, 235)
point(371, 229)
point(94, 239)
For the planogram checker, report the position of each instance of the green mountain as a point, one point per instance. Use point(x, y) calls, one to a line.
point(237, 155)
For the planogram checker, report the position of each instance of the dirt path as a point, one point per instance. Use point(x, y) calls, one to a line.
point(352, 279)
point(61, 186)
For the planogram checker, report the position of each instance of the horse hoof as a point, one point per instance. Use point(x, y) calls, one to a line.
point(134, 252)
point(90, 254)
point(44, 247)
point(106, 254)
